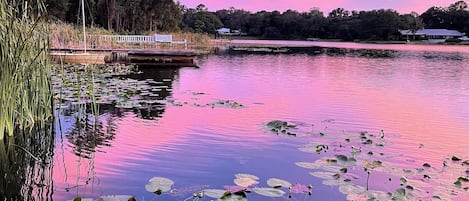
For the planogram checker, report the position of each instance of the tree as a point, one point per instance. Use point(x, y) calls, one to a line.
point(411, 21)
point(453, 17)
point(57, 9)
point(200, 20)
point(339, 13)
point(458, 6)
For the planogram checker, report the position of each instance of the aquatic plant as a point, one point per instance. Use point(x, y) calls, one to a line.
point(348, 153)
point(280, 127)
point(25, 92)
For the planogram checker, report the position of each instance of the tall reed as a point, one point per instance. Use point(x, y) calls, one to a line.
point(25, 73)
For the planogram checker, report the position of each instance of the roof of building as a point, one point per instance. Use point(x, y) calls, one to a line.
point(223, 30)
point(433, 32)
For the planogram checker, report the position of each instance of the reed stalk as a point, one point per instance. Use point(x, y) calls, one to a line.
point(25, 73)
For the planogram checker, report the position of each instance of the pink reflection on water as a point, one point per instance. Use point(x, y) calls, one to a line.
point(139, 142)
point(351, 45)
point(400, 95)
point(136, 140)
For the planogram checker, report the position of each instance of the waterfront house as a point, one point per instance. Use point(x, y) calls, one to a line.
point(431, 35)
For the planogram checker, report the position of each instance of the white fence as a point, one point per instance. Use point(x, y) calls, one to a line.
point(155, 39)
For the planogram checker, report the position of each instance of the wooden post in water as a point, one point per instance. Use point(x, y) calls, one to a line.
point(83, 21)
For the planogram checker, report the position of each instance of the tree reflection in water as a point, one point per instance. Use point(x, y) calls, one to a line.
point(88, 135)
point(26, 162)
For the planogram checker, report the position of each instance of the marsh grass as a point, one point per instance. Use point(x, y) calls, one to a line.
point(25, 88)
point(63, 35)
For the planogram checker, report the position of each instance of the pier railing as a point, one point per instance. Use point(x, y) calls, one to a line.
point(115, 40)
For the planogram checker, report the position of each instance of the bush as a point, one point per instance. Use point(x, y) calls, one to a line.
point(452, 40)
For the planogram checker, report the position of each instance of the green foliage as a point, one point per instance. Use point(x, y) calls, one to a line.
point(169, 16)
point(200, 21)
point(25, 93)
point(455, 16)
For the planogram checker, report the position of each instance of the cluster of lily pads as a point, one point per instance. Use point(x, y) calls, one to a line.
point(351, 159)
point(109, 85)
point(103, 85)
point(244, 185)
point(216, 104)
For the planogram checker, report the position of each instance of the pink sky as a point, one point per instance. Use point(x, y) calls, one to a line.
point(402, 6)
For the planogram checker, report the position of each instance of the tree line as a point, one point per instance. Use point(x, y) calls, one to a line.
point(143, 16)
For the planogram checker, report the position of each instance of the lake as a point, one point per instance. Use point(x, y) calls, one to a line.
point(344, 122)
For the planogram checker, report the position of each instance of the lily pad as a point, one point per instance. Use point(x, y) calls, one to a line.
point(242, 175)
point(159, 185)
point(269, 192)
point(455, 158)
point(117, 198)
point(336, 182)
point(308, 165)
point(162, 181)
point(156, 188)
point(214, 193)
point(82, 199)
point(324, 175)
point(277, 124)
point(277, 183)
point(233, 198)
point(245, 182)
point(351, 189)
point(237, 188)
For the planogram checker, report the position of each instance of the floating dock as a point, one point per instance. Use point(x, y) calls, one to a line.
point(176, 58)
point(143, 57)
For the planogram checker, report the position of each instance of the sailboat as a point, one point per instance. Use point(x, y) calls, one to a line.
point(81, 58)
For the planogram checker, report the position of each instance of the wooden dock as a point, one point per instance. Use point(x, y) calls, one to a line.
point(143, 57)
point(176, 58)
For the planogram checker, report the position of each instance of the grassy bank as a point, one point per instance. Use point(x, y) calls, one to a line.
point(63, 35)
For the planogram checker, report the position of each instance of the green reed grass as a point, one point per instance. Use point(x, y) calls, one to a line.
point(25, 72)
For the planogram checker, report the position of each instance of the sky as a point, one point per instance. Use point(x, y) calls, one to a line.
point(402, 6)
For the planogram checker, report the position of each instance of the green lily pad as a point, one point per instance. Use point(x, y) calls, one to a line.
point(269, 192)
point(277, 183)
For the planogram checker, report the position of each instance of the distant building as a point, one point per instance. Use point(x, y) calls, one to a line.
point(224, 31)
point(431, 35)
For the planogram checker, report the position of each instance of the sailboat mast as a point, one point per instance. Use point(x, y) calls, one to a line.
point(83, 21)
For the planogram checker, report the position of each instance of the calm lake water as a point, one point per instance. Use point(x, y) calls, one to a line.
point(419, 99)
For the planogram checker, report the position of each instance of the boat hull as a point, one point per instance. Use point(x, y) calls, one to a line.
point(78, 58)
